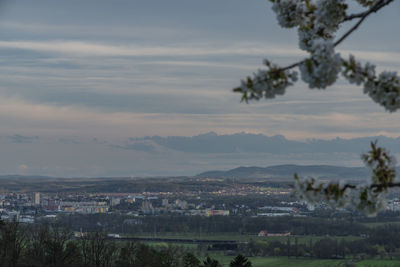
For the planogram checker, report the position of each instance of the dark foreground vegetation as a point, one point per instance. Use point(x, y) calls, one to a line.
point(50, 245)
point(44, 245)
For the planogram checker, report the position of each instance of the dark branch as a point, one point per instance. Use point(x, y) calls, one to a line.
point(374, 186)
point(378, 5)
point(384, 185)
point(373, 9)
point(361, 14)
point(350, 186)
point(291, 66)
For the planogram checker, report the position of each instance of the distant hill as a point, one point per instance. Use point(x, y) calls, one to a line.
point(287, 171)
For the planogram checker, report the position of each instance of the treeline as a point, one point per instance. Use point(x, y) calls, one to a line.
point(49, 246)
point(382, 242)
point(216, 224)
point(110, 185)
point(129, 185)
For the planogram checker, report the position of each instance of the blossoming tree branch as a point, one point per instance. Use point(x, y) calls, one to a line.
point(317, 23)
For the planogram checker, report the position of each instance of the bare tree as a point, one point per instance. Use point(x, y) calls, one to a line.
point(12, 242)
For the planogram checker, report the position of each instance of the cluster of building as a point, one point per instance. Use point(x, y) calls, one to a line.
point(180, 207)
point(24, 207)
point(27, 206)
point(394, 204)
point(274, 211)
point(266, 233)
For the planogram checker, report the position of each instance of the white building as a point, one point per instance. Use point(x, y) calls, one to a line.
point(37, 198)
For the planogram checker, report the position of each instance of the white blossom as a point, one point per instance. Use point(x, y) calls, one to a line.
point(307, 36)
point(289, 12)
point(321, 23)
point(356, 73)
point(267, 83)
point(329, 14)
point(322, 69)
point(363, 198)
point(385, 90)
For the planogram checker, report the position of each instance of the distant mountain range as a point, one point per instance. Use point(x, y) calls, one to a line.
point(259, 143)
point(274, 172)
point(181, 155)
point(287, 171)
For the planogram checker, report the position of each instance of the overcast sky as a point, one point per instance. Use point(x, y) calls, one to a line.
point(111, 70)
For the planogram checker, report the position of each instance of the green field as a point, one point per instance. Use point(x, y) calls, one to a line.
point(380, 224)
point(285, 262)
point(268, 261)
point(379, 263)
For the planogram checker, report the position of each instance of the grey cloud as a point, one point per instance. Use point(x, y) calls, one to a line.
point(141, 146)
point(137, 103)
point(68, 141)
point(21, 139)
